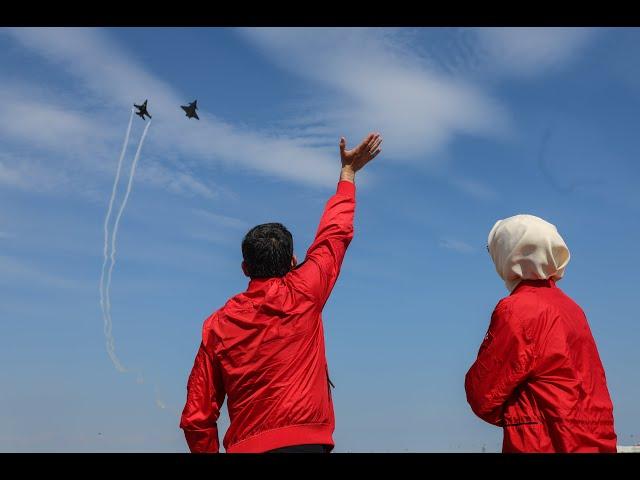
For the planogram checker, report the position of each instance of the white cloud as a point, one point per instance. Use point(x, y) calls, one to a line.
point(456, 245)
point(74, 144)
point(48, 125)
point(222, 220)
point(370, 79)
point(179, 182)
point(25, 174)
point(14, 271)
point(532, 50)
point(109, 75)
point(473, 187)
point(420, 87)
point(218, 229)
point(375, 83)
point(486, 54)
point(220, 238)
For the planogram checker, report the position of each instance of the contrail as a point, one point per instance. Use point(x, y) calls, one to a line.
point(106, 292)
point(108, 324)
point(107, 327)
point(159, 403)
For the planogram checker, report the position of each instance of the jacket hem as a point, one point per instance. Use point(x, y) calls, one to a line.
point(285, 437)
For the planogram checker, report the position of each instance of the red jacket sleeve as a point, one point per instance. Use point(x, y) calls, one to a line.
point(205, 395)
point(504, 360)
point(320, 270)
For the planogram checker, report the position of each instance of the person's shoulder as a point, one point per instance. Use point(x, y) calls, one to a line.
point(299, 281)
point(235, 302)
point(538, 310)
point(208, 326)
point(209, 321)
point(566, 298)
point(521, 309)
point(505, 306)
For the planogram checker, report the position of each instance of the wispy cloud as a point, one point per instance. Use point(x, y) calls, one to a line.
point(51, 144)
point(373, 82)
point(371, 79)
point(178, 180)
point(218, 229)
point(221, 220)
point(14, 270)
point(488, 53)
point(26, 174)
point(456, 245)
point(531, 50)
point(473, 187)
point(46, 121)
point(112, 77)
point(421, 87)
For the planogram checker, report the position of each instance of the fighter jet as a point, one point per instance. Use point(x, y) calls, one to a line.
point(142, 110)
point(191, 110)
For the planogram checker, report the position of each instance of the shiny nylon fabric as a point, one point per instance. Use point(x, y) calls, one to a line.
point(265, 351)
point(538, 375)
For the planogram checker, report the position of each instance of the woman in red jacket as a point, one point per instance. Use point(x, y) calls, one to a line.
point(538, 373)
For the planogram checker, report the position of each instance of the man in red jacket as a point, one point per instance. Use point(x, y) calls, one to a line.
point(264, 349)
point(538, 373)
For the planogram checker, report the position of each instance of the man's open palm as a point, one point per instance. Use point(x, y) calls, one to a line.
point(358, 157)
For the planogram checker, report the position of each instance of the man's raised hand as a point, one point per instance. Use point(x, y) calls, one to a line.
point(356, 158)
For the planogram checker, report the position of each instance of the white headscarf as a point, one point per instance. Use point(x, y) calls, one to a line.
point(525, 247)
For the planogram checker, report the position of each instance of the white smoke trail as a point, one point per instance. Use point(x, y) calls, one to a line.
point(106, 293)
point(108, 323)
point(159, 402)
point(107, 327)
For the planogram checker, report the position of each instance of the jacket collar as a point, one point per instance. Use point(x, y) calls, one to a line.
point(256, 284)
point(527, 284)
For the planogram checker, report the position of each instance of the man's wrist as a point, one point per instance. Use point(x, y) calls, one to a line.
point(347, 174)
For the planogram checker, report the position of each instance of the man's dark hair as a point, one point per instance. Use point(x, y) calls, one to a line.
point(267, 250)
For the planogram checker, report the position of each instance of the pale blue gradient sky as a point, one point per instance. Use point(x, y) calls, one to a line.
point(479, 124)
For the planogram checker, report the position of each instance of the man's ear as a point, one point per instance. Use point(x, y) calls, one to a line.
point(245, 270)
point(294, 261)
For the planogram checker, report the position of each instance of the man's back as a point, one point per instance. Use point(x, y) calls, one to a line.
point(269, 343)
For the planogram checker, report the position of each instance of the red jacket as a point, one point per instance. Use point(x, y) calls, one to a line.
point(265, 351)
point(539, 376)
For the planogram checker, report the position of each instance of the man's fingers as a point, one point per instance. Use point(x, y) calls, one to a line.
point(371, 139)
point(376, 143)
point(367, 142)
point(375, 148)
point(375, 154)
point(370, 145)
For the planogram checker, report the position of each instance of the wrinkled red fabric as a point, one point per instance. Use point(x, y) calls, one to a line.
point(538, 375)
point(264, 350)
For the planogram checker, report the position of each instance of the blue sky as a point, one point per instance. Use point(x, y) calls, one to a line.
point(479, 124)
